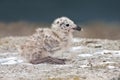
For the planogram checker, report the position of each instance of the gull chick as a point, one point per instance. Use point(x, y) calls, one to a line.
point(45, 42)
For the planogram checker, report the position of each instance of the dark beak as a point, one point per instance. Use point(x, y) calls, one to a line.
point(78, 28)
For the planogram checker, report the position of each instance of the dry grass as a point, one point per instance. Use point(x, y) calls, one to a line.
point(101, 30)
point(74, 78)
point(91, 30)
point(18, 28)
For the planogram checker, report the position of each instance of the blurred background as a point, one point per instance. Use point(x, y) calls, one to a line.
point(98, 18)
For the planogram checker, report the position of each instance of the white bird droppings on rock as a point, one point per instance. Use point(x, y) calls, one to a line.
point(84, 66)
point(85, 55)
point(110, 52)
point(77, 48)
point(111, 67)
point(76, 40)
point(10, 60)
point(7, 59)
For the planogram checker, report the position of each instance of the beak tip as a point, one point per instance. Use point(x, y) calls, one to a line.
point(78, 28)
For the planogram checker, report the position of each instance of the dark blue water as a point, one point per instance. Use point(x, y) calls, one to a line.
point(47, 10)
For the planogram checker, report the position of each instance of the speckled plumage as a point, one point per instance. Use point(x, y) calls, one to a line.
point(45, 42)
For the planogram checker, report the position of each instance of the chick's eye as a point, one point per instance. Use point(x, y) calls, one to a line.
point(67, 25)
point(57, 22)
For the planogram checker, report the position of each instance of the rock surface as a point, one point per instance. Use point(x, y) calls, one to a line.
point(89, 59)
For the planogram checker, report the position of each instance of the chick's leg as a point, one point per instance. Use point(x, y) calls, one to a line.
point(50, 60)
